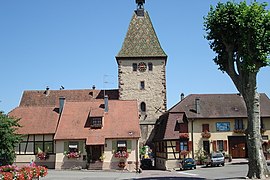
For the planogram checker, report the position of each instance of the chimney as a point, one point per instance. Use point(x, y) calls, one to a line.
point(197, 105)
point(47, 91)
point(182, 96)
point(61, 104)
point(106, 101)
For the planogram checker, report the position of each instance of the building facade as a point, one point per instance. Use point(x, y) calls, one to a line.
point(203, 123)
point(65, 129)
point(142, 70)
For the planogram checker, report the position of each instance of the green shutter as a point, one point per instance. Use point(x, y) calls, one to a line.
point(65, 146)
point(113, 146)
point(81, 146)
point(129, 146)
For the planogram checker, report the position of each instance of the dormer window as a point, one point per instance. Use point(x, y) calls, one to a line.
point(95, 122)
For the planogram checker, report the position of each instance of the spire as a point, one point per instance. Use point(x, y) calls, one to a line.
point(141, 39)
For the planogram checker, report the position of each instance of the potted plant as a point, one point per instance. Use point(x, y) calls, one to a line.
point(72, 154)
point(42, 155)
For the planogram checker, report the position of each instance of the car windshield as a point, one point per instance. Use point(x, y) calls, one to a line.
point(217, 155)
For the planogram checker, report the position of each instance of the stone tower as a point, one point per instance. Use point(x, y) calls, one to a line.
point(142, 70)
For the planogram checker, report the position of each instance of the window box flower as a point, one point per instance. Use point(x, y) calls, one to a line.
point(239, 131)
point(183, 135)
point(72, 154)
point(206, 134)
point(42, 156)
point(120, 154)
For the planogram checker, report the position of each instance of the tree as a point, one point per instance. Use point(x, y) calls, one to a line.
point(8, 139)
point(239, 34)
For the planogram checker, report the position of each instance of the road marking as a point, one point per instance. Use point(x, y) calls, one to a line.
point(189, 174)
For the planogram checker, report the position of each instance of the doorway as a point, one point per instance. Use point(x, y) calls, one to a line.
point(237, 146)
point(206, 147)
point(94, 152)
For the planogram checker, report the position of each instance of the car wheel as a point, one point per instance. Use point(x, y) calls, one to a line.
point(223, 164)
point(194, 167)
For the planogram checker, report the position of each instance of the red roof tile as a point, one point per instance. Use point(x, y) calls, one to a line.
point(36, 120)
point(51, 97)
point(121, 121)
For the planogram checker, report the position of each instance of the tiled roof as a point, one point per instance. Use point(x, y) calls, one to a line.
point(121, 121)
point(36, 120)
point(141, 39)
point(51, 97)
point(168, 126)
point(218, 106)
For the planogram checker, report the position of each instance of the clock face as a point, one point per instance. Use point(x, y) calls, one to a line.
point(142, 66)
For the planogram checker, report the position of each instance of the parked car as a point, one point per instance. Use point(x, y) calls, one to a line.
point(187, 163)
point(215, 159)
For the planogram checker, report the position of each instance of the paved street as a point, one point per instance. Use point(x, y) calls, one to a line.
point(230, 171)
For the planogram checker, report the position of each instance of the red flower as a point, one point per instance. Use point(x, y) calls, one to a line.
point(120, 154)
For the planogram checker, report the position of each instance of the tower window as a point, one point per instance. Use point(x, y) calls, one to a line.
point(134, 65)
point(150, 66)
point(143, 107)
point(142, 85)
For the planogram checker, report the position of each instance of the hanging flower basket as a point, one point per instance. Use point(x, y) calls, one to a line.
point(120, 154)
point(183, 135)
point(206, 134)
point(42, 156)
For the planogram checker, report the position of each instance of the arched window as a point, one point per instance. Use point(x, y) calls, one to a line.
point(143, 106)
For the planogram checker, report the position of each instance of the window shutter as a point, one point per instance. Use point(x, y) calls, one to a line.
point(214, 145)
point(190, 145)
point(66, 146)
point(129, 146)
point(225, 145)
point(177, 146)
point(81, 146)
point(113, 146)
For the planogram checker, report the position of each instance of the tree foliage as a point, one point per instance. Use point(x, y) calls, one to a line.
point(8, 138)
point(241, 33)
point(240, 36)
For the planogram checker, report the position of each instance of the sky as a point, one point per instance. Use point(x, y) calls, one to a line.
point(73, 43)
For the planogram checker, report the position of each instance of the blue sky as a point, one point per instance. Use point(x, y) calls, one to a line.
point(73, 44)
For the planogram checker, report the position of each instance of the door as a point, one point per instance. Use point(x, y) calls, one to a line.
point(237, 146)
point(94, 152)
point(206, 147)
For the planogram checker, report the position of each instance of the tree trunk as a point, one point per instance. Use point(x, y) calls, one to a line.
point(256, 163)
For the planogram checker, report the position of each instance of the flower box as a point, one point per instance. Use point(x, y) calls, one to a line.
point(72, 154)
point(206, 134)
point(42, 156)
point(120, 154)
point(183, 135)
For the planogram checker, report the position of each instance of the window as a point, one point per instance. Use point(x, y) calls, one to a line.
point(239, 124)
point(220, 145)
point(73, 146)
point(134, 65)
point(143, 106)
point(32, 144)
point(142, 85)
point(205, 127)
point(183, 145)
point(121, 146)
point(150, 66)
point(96, 122)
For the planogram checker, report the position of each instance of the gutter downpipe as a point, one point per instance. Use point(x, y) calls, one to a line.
point(192, 138)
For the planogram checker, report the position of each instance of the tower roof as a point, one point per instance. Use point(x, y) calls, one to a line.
point(141, 39)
